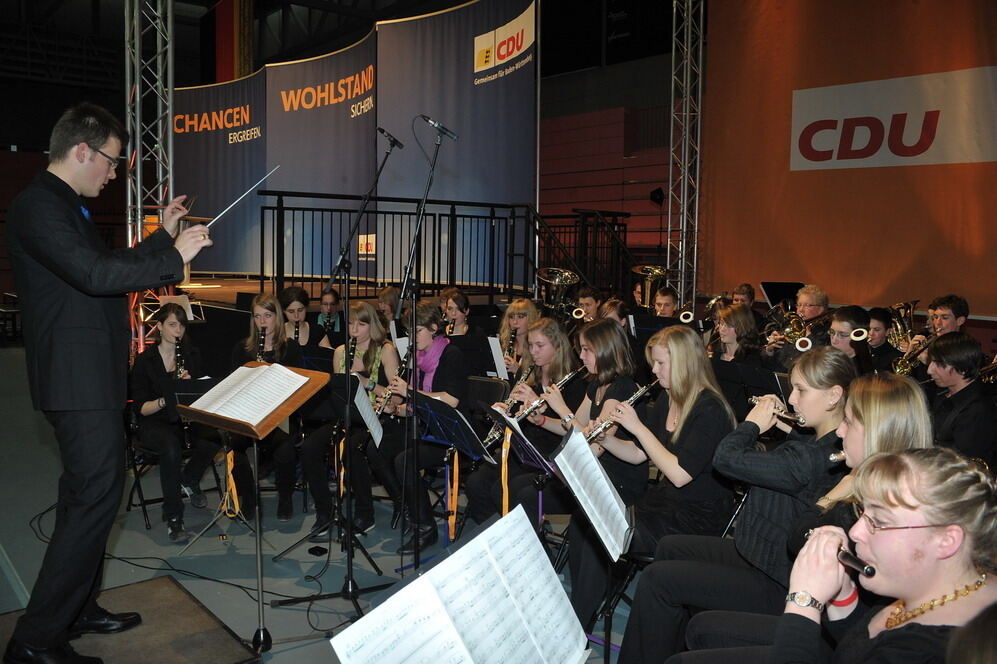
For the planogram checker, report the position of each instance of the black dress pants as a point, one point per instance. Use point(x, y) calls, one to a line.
point(484, 493)
point(92, 449)
point(414, 488)
point(718, 637)
point(691, 572)
point(166, 439)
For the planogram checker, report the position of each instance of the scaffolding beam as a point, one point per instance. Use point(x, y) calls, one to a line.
point(684, 147)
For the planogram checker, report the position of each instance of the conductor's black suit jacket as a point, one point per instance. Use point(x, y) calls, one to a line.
point(71, 292)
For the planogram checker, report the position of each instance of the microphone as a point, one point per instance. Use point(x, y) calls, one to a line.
point(440, 128)
point(392, 141)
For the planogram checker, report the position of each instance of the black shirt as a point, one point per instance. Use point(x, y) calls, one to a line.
point(291, 357)
point(150, 380)
point(629, 479)
point(451, 375)
point(474, 345)
point(883, 356)
point(547, 441)
point(704, 428)
point(965, 422)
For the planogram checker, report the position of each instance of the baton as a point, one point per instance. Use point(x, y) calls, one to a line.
point(232, 204)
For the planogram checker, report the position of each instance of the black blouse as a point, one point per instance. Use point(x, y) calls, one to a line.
point(474, 345)
point(291, 357)
point(629, 479)
point(150, 380)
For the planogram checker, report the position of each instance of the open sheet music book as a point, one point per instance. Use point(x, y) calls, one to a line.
point(595, 492)
point(249, 394)
point(496, 600)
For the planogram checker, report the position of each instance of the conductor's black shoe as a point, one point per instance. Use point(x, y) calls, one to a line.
point(285, 508)
point(427, 535)
point(320, 531)
point(193, 491)
point(104, 622)
point(363, 524)
point(22, 653)
point(178, 533)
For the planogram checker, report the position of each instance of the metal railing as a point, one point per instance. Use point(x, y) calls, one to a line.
point(592, 243)
point(482, 248)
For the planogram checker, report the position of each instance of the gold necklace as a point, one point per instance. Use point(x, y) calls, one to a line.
point(900, 615)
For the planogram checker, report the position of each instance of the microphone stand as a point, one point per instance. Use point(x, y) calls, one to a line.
point(410, 287)
point(350, 590)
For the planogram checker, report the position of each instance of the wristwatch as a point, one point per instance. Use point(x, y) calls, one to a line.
point(805, 600)
point(566, 421)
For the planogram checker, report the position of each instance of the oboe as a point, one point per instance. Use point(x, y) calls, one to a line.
point(604, 426)
point(178, 362)
point(784, 414)
point(403, 374)
point(510, 348)
point(261, 343)
point(498, 429)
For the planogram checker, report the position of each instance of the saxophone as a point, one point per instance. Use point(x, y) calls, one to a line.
point(498, 429)
point(604, 426)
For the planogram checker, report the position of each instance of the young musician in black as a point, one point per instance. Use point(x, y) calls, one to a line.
point(519, 315)
point(267, 342)
point(330, 318)
point(679, 434)
point(375, 363)
point(737, 336)
point(441, 373)
point(469, 338)
point(160, 429)
point(963, 414)
point(552, 359)
point(882, 351)
point(294, 300)
point(811, 306)
point(844, 322)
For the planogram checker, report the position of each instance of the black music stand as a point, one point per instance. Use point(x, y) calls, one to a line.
point(781, 292)
point(445, 425)
point(529, 455)
point(645, 325)
point(339, 385)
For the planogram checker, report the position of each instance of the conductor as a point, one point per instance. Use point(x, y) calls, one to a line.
point(76, 333)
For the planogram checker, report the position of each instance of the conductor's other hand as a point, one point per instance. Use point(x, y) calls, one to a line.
point(190, 241)
point(172, 213)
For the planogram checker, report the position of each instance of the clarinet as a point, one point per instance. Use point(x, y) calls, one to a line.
point(297, 330)
point(498, 429)
point(510, 348)
point(604, 426)
point(178, 363)
point(261, 343)
point(403, 374)
point(450, 328)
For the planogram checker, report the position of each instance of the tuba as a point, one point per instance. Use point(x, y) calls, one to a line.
point(651, 278)
point(900, 333)
point(556, 282)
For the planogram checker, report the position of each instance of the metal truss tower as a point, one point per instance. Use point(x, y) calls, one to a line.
point(149, 80)
point(684, 143)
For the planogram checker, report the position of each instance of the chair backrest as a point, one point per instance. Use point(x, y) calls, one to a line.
point(483, 391)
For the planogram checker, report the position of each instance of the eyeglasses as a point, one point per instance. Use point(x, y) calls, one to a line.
point(875, 528)
point(115, 161)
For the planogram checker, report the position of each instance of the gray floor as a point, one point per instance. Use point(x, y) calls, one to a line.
point(29, 468)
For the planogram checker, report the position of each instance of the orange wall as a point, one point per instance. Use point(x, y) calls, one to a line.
point(871, 236)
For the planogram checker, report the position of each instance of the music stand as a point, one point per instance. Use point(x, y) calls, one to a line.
point(529, 455)
point(447, 426)
point(645, 325)
point(778, 292)
point(262, 641)
point(340, 384)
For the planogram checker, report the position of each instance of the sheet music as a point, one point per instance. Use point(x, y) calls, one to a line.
point(594, 491)
point(402, 345)
point(482, 610)
point(497, 598)
point(633, 326)
point(534, 587)
point(250, 394)
point(498, 358)
point(367, 413)
point(411, 627)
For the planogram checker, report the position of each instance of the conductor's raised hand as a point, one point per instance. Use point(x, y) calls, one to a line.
point(190, 241)
point(172, 213)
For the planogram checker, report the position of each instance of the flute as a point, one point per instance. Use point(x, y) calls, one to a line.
point(499, 428)
point(604, 426)
point(783, 413)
